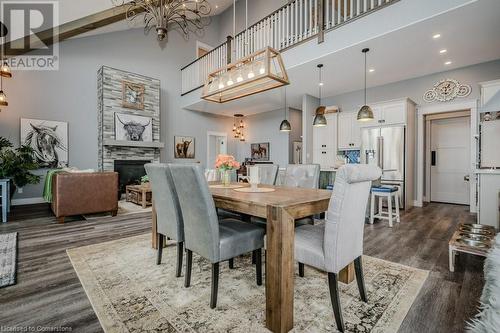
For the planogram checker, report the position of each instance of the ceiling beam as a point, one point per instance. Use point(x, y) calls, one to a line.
point(73, 28)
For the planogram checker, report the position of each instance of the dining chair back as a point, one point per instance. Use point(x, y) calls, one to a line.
point(267, 173)
point(345, 218)
point(302, 175)
point(169, 221)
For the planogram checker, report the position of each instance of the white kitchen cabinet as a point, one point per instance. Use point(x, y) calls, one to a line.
point(349, 134)
point(388, 113)
point(325, 142)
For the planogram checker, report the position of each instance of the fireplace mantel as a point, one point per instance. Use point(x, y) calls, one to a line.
point(121, 143)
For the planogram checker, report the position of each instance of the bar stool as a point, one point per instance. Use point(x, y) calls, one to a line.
point(389, 192)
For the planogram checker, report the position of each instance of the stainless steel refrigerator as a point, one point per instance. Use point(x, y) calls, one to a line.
point(385, 147)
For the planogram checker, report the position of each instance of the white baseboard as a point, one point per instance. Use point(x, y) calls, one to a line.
point(417, 203)
point(27, 201)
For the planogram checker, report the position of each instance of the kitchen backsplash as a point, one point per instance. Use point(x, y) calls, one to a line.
point(353, 156)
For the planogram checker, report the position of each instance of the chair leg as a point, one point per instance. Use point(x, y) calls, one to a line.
point(258, 266)
point(335, 298)
point(215, 285)
point(358, 267)
point(231, 263)
point(180, 254)
point(189, 264)
point(301, 269)
point(160, 248)
point(372, 208)
point(389, 209)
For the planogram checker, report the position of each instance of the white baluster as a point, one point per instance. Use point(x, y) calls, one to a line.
point(372, 4)
point(345, 10)
point(380, 2)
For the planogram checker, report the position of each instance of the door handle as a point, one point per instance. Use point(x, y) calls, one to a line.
point(433, 158)
point(466, 178)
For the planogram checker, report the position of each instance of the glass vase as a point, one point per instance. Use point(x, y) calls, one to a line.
point(226, 178)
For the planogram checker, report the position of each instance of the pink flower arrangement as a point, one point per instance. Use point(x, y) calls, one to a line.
point(226, 162)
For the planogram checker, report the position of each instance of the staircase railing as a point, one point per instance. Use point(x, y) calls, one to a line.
point(294, 23)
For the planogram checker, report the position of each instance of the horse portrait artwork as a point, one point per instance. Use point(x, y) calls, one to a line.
point(133, 95)
point(259, 151)
point(133, 128)
point(49, 140)
point(183, 147)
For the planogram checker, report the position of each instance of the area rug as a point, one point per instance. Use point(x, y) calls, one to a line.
point(130, 293)
point(8, 259)
point(124, 208)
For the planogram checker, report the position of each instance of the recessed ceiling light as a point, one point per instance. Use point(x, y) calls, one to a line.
point(436, 36)
point(443, 51)
point(371, 70)
point(448, 63)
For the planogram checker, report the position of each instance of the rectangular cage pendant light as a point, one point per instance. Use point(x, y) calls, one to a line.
point(260, 71)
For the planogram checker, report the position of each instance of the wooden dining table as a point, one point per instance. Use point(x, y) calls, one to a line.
point(281, 208)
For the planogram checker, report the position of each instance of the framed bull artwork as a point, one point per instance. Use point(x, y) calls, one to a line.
point(184, 147)
point(49, 140)
point(259, 151)
point(129, 127)
point(133, 95)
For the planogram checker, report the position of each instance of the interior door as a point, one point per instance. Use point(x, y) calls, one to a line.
point(450, 155)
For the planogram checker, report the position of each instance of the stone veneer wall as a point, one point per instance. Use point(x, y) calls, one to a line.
point(109, 90)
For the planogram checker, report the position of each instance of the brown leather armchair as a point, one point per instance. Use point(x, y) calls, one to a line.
point(84, 193)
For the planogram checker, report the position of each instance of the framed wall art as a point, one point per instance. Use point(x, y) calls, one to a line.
point(49, 140)
point(133, 95)
point(184, 147)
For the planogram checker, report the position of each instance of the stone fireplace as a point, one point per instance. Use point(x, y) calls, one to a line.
point(126, 157)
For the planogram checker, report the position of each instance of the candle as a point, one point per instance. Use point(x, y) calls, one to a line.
point(254, 176)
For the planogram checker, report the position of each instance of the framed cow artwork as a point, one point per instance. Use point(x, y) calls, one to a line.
point(129, 127)
point(184, 147)
point(133, 95)
point(259, 151)
point(49, 140)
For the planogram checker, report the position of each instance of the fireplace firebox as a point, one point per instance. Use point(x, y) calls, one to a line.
point(130, 172)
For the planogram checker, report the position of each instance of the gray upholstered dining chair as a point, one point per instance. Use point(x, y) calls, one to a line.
point(168, 213)
point(302, 175)
point(339, 241)
point(267, 173)
point(204, 234)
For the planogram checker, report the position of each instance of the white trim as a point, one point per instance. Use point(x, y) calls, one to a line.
point(27, 201)
point(209, 134)
point(469, 104)
point(417, 204)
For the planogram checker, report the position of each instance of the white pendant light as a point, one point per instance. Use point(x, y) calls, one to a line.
point(366, 112)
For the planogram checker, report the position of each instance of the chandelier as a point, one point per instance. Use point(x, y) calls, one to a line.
point(238, 127)
point(258, 72)
point(187, 16)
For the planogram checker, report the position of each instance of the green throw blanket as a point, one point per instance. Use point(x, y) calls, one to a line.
point(47, 189)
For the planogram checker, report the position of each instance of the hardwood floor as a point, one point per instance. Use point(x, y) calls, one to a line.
point(48, 292)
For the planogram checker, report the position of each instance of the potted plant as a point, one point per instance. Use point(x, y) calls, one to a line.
point(17, 164)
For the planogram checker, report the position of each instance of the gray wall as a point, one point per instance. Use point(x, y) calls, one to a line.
point(70, 94)
point(264, 127)
point(415, 88)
